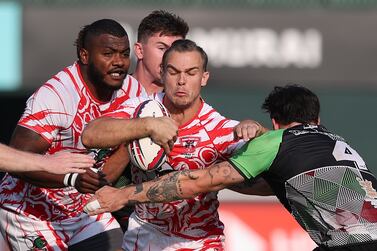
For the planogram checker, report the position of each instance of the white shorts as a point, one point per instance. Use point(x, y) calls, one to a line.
point(141, 236)
point(29, 233)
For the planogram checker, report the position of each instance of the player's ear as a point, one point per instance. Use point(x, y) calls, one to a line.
point(84, 56)
point(138, 49)
point(205, 78)
point(319, 121)
point(275, 124)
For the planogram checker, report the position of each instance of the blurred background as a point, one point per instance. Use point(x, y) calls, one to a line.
point(329, 46)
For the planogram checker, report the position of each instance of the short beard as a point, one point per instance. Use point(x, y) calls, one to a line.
point(96, 78)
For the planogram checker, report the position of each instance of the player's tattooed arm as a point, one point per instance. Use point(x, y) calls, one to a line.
point(187, 183)
point(173, 186)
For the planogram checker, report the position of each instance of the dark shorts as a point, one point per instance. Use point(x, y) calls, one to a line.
point(107, 241)
point(365, 246)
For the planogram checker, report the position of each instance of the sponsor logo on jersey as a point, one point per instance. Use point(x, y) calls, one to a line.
point(189, 143)
point(36, 243)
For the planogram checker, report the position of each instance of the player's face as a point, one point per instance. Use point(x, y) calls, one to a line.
point(183, 78)
point(151, 52)
point(108, 60)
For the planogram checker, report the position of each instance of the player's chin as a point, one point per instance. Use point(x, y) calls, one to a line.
point(115, 84)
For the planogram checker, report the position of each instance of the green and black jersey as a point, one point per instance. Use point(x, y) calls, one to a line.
point(319, 178)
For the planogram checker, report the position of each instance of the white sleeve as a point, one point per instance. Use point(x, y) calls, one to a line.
point(48, 111)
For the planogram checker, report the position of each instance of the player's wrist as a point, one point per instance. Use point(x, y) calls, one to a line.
point(70, 179)
point(147, 125)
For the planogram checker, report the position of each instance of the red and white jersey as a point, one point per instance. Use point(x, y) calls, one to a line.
point(59, 111)
point(206, 139)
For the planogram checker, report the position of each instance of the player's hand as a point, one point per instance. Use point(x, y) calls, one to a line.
point(105, 200)
point(164, 131)
point(66, 162)
point(248, 129)
point(90, 181)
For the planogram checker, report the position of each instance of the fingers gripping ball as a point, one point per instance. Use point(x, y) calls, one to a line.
point(144, 153)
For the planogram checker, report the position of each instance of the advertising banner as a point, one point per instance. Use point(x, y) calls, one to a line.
point(255, 47)
point(262, 227)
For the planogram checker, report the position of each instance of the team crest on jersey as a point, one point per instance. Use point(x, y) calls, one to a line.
point(189, 143)
point(36, 243)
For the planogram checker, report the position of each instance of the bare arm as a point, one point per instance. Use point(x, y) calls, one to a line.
point(110, 132)
point(116, 164)
point(27, 140)
point(12, 160)
point(249, 129)
point(173, 186)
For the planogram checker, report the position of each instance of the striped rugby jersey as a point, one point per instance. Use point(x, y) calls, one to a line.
point(207, 139)
point(59, 111)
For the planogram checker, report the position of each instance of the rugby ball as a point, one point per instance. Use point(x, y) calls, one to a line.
point(144, 153)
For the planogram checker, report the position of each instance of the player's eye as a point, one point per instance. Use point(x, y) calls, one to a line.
point(171, 72)
point(162, 48)
point(192, 72)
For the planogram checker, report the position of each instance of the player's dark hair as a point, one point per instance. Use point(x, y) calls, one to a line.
point(184, 45)
point(99, 27)
point(160, 21)
point(292, 103)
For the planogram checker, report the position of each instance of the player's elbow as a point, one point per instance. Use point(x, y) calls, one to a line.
point(87, 138)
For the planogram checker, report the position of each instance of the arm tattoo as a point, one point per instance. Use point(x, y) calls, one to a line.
point(168, 189)
point(138, 188)
point(223, 169)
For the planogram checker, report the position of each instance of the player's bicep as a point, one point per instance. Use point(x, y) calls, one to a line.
point(218, 176)
point(28, 140)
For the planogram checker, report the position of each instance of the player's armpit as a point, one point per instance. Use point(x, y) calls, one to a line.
point(256, 187)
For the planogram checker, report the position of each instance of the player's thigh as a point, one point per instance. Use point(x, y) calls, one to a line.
point(28, 233)
point(147, 237)
point(93, 225)
point(106, 241)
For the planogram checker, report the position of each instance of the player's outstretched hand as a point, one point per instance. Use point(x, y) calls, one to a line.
point(105, 200)
point(66, 162)
point(248, 129)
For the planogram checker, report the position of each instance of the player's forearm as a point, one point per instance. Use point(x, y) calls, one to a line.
point(184, 184)
point(164, 189)
point(116, 164)
point(12, 160)
point(110, 132)
point(42, 179)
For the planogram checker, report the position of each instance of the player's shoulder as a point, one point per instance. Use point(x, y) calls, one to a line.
point(209, 116)
point(132, 87)
point(65, 82)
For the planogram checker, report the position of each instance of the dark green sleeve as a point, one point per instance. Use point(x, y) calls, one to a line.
point(257, 156)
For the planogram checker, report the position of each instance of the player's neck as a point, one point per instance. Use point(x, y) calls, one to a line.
point(146, 80)
point(183, 115)
point(100, 93)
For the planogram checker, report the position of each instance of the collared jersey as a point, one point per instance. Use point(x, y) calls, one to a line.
point(320, 180)
point(59, 111)
point(207, 139)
